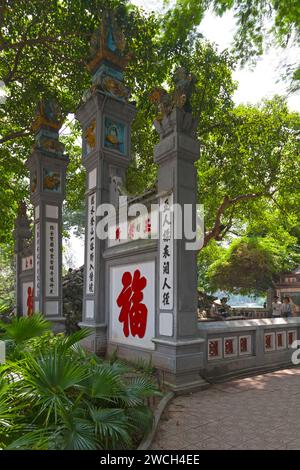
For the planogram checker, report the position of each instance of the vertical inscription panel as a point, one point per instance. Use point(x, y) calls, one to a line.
point(51, 259)
point(37, 241)
point(90, 249)
point(166, 253)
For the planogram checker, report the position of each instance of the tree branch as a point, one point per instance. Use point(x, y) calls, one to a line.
point(14, 135)
point(219, 230)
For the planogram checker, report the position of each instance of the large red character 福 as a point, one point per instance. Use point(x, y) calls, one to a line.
point(133, 313)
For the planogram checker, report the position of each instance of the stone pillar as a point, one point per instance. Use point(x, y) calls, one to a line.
point(23, 259)
point(47, 165)
point(105, 116)
point(179, 350)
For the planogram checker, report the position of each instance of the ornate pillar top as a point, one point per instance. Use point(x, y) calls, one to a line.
point(174, 109)
point(108, 58)
point(46, 125)
point(22, 229)
point(22, 218)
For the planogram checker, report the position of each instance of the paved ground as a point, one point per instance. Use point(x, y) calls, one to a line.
point(261, 412)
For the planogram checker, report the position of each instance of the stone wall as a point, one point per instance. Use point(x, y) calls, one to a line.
point(246, 347)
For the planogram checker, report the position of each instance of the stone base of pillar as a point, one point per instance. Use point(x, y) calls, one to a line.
point(58, 324)
point(179, 363)
point(184, 383)
point(96, 342)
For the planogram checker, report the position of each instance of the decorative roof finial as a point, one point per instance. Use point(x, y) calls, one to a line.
point(108, 58)
point(108, 43)
point(48, 120)
point(47, 115)
point(179, 99)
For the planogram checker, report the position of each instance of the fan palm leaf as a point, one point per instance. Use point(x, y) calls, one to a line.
point(141, 418)
point(23, 328)
point(67, 342)
point(103, 383)
point(136, 390)
point(77, 433)
point(34, 437)
point(48, 377)
point(111, 427)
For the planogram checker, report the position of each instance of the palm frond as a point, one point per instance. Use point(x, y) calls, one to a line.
point(137, 390)
point(103, 383)
point(78, 433)
point(111, 427)
point(23, 328)
point(34, 438)
point(47, 378)
point(141, 417)
point(68, 341)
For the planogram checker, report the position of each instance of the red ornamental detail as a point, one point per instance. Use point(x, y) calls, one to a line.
point(244, 345)
point(290, 338)
point(133, 313)
point(268, 342)
point(279, 340)
point(229, 346)
point(29, 301)
point(148, 226)
point(131, 231)
point(213, 350)
point(118, 233)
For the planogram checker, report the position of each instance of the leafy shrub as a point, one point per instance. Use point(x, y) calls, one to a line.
point(55, 395)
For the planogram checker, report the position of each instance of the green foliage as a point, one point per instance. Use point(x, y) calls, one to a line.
point(261, 20)
point(208, 255)
point(250, 265)
point(7, 280)
point(57, 396)
point(23, 328)
point(256, 152)
point(43, 50)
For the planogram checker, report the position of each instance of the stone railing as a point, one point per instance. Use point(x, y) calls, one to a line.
point(250, 312)
point(243, 347)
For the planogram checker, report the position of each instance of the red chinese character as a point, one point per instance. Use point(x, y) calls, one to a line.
point(133, 313)
point(29, 301)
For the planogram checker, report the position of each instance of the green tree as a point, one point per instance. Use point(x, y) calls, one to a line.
point(248, 166)
point(43, 48)
point(259, 23)
point(250, 265)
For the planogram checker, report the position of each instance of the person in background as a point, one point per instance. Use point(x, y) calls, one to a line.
point(294, 308)
point(276, 307)
point(214, 309)
point(224, 310)
point(286, 308)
